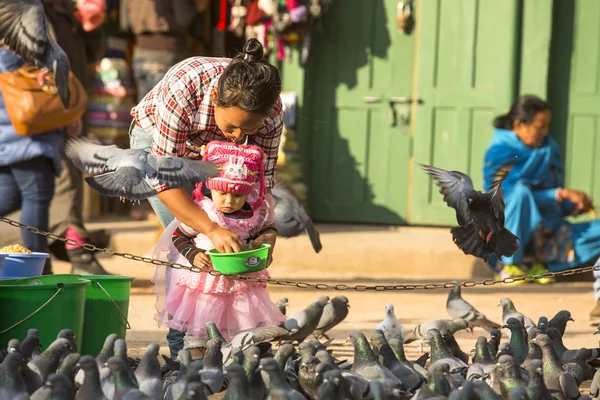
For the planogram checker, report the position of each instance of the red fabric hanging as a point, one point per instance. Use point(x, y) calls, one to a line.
point(222, 16)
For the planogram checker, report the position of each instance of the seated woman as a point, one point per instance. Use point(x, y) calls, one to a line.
point(536, 200)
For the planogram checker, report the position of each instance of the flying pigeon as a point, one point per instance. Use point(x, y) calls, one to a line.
point(480, 216)
point(26, 31)
point(291, 218)
point(132, 173)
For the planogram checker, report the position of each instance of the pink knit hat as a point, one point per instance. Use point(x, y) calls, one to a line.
point(241, 168)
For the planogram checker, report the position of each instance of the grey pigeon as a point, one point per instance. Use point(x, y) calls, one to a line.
point(278, 384)
point(90, 388)
point(68, 367)
point(126, 173)
point(147, 373)
point(398, 349)
point(334, 387)
point(482, 364)
point(238, 384)
point(420, 331)
point(291, 218)
point(57, 386)
point(334, 312)
point(105, 353)
point(533, 351)
point(565, 355)
point(14, 345)
point(410, 380)
point(391, 326)
point(32, 379)
point(212, 368)
point(69, 335)
point(282, 304)
point(123, 382)
point(509, 311)
point(242, 340)
point(47, 363)
point(354, 385)
point(510, 375)
point(560, 384)
point(536, 388)
point(494, 342)
point(256, 383)
point(365, 362)
point(193, 391)
point(457, 307)
point(518, 342)
point(437, 382)
point(25, 28)
point(308, 377)
point(559, 321)
point(11, 384)
point(480, 216)
point(542, 324)
point(303, 323)
point(30, 345)
point(440, 353)
point(452, 345)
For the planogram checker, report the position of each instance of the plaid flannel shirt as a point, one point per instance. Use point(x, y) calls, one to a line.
point(180, 116)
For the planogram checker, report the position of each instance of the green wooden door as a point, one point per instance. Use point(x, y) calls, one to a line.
point(466, 76)
point(354, 119)
point(575, 91)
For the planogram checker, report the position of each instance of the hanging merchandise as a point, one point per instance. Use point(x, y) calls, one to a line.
point(239, 12)
point(255, 22)
point(282, 24)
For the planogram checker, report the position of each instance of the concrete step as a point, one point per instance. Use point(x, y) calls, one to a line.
point(350, 252)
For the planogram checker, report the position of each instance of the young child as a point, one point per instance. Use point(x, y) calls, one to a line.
point(236, 201)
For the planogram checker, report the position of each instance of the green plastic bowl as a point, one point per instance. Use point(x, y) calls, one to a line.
point(244, 262)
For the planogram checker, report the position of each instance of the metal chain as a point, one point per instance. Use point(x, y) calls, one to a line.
point(306, 285)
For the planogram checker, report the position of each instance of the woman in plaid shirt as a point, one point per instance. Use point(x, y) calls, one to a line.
point(203, 99)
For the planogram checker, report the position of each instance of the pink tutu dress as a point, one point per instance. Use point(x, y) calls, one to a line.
point(187, 300)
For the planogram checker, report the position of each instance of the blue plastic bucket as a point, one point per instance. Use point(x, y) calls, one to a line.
point(23, 265)
point(2, 257)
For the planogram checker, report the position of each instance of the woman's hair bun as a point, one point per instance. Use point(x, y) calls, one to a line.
point(253, 50)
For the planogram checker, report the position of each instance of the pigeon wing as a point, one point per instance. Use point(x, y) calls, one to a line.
point(179, 172)
point(24, 28)
point(496, 192)
point(88, 155)
point(454, 186)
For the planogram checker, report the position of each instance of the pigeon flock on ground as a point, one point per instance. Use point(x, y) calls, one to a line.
point(290, 362)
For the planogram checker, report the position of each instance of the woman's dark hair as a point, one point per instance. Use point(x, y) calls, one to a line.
point(523, 110)
point(249, 82)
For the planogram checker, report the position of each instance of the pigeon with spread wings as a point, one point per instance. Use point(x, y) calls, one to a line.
point(480, 216)
point(132, 173)
point(26, 30)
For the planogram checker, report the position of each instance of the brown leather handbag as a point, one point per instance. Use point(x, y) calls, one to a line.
point(33, 108)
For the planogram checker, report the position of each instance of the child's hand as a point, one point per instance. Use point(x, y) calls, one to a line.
point(201, 260)
point(268, 237)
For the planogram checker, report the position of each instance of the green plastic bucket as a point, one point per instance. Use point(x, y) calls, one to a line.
point(48, 303)
point(242, 262)
point(106, 310)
